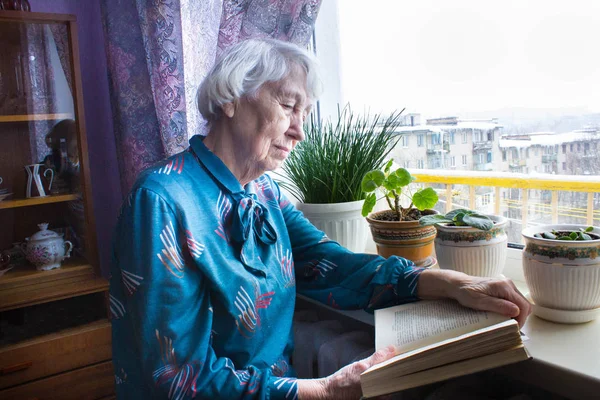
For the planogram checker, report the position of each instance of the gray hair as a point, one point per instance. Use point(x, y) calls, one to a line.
point(246, 66)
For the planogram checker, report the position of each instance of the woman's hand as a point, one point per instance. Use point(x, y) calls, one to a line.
point(488, 294)
point(345, 383)
point(497, 295)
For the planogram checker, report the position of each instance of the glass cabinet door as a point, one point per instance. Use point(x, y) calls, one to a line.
point(41, 160)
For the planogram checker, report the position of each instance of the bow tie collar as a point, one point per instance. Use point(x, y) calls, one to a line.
point(249, 217)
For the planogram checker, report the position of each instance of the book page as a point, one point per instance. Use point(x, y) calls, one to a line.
point(414, 325)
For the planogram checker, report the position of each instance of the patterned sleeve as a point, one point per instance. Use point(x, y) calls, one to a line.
point(333, 275)
point(162, 315)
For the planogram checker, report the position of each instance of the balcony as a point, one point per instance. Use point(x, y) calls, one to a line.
point(484, 167)
point(548, 158)
point(487, 145)
point(517, 163)
point(525, 200)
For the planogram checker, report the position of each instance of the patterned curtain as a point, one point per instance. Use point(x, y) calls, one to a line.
point(289, 20)
point(149, 45)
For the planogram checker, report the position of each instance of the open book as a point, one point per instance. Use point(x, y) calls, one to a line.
point(438, 340)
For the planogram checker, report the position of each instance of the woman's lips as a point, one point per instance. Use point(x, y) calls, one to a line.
point(283, 149)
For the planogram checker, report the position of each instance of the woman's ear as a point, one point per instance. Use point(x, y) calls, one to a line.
point(228, 109)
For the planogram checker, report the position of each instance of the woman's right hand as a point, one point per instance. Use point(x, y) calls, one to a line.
point(345, 383)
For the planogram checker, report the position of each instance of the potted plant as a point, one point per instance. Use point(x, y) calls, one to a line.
point(561, 264)
point(324, 172)
point(397, 231)
point(470, 242)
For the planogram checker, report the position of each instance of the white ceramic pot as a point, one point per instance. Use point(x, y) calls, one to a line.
point(562, 275)
point(341, 222)
point(472, 251)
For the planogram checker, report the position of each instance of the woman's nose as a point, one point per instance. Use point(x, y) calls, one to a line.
point(296, 130)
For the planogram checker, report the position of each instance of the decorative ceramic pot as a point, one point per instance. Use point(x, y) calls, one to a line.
point(341, 222)
point(46, 249)
point(471, 250)
point(562, 274)
point(406, 239)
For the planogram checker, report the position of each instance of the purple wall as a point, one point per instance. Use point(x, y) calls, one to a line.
point(104, 169)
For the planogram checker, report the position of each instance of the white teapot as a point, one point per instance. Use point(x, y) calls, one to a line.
point(46, 249)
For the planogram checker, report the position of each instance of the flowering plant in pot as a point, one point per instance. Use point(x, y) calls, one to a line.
point(324, 172)
point(470, 242)
point(561, 264)
point(397, 231)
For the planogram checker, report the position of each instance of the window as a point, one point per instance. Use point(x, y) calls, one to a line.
point(404, 141)
point(407, 164)
point(505, 72)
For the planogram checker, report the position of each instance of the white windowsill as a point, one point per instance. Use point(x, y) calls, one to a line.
point(566, 358)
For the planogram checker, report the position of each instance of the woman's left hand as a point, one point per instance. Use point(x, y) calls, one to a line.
point(493, 294)
point(498, 295)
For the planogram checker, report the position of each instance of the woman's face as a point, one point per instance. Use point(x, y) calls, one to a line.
point(268, 126)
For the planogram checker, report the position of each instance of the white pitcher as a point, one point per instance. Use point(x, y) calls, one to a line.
point(35, 187)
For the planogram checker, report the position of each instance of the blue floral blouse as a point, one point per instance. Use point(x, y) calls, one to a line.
point(204, 278)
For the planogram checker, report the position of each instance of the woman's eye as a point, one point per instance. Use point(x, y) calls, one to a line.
point(288, 106)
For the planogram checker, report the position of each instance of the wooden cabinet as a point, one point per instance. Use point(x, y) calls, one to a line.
point(55, 339)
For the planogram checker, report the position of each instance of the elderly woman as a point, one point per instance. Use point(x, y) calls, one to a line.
point(209, 255)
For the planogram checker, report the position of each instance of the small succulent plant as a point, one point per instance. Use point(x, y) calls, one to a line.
point(460, 217)
point(581, 234)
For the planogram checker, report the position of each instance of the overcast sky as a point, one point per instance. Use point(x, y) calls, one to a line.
point(440, 57)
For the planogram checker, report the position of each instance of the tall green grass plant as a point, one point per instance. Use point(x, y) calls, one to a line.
point(328, 166)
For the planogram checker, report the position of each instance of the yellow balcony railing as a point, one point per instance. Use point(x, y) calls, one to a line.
point(583, 209)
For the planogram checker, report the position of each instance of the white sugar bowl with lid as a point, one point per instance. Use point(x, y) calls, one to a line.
point(46, 249)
